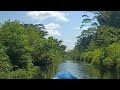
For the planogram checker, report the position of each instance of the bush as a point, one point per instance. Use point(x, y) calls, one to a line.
point(113, 52)
point(108, 63)
point(118, 63)
point(86, 56)
point(13, 35)
point(20, 74)
point(97, 56)
point(5, 64)
point(23, 46)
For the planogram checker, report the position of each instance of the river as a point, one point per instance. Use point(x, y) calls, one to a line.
point(80, 70)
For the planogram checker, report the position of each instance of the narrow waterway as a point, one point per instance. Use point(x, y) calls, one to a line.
point(82, 71)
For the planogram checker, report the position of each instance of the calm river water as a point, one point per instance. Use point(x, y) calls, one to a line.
point(82, 71)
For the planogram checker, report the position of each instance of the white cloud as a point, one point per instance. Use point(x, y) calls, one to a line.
point(52, 29)
point(42, 15)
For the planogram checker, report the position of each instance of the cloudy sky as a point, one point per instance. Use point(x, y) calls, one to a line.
point(63, 25)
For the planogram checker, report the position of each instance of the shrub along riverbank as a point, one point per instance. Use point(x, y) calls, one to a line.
point(24, 47)
point(100, 43)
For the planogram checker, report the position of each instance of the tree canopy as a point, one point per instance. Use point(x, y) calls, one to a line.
point(103, 37)
point(23, 48)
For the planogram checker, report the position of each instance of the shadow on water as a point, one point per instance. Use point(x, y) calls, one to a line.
point(46, 72)
point(80, 70)
point(113, 74)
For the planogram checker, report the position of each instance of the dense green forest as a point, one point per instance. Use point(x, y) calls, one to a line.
point(24, 48)
point(100, 43)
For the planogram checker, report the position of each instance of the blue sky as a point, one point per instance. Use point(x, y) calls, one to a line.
point(63, 25)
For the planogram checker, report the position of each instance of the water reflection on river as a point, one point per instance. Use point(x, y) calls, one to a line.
point(82, 71)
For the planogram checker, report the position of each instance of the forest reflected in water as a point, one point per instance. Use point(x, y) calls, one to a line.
point(80, 70)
